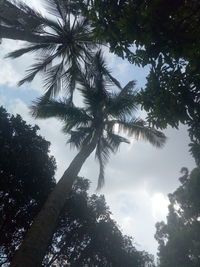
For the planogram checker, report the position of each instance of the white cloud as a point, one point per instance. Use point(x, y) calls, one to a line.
point(159, 206)
point(8, 76)
point(133, 211)
point(36, 4)
point(13, 70)
point(122, 67)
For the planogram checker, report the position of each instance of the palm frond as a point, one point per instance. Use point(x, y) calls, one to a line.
point(41, 65)
point(55, 8)
point(79, 137)
point(53, 79)
point(29, 49)
point(85, 52)
point(70, 77)
point(111, 78)
point(74, 122)
point(21, 15)
point(140, 131)
point(61, 8)
point(120, 105)
point(88, 92)
point(98, 68)
point(28, 16)
point(63, 110)
point(127, 88)
point(102, 68)
point(97, 79)
point(82, 27)
point(115, 140)
point(33, 20)
point(102, 154)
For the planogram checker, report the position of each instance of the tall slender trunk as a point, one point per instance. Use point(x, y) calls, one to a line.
point(33, 248)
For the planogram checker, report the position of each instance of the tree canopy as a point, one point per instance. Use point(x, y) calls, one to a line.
point(179, 238)
point(86, 235)
point(165, 26)
point(163, 35)
point(26, 178)
point(85, 232)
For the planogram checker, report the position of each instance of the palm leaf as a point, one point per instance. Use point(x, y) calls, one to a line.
point(120, 105)
point(41, 65)
point(55, 8)
point(53, 79)
point(88, 92)
point(29, 49)
point(102, 154)
point(21, 15)
point(70, 77)
point(115, 140)
point(99, 68)
point(139, 129)
point(63, 110)
point(61, 8)
point(79, 137)
point(127, 88)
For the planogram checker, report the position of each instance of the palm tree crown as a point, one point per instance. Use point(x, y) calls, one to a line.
point(63, 42)
point(104, 108)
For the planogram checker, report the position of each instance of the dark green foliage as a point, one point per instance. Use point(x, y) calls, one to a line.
point(165, 26)
point(26, 178)
point(164, 35)
point(171, 96)
point(179, 238)
point(86, 234)
point(195, 151)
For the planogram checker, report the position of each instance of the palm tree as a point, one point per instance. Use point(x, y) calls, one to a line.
point(63, 42)
point(89, 128)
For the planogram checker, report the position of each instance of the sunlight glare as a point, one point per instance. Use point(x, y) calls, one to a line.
point(159, 206)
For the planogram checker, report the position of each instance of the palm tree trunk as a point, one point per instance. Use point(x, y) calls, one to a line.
point(33, 248)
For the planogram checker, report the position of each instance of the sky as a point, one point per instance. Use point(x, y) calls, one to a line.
point(138, 177)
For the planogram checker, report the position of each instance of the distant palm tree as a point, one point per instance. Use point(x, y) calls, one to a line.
point(63, 42)
point(90, 128)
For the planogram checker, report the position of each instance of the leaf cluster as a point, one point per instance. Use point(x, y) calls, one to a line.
point(178, 239)
point(26, 178)
point(163, 35)
point(86, 235)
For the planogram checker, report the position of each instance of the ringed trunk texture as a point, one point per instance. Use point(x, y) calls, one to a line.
point(33, 248)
